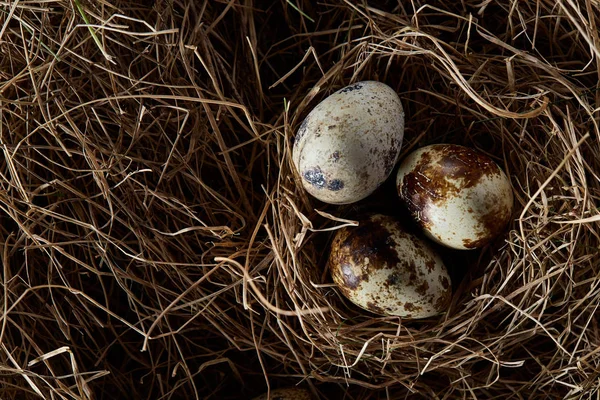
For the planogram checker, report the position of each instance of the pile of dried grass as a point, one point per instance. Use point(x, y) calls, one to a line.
point(156, 243)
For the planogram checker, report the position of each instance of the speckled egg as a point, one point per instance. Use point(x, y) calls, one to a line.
point(459, 196)
point(386, 270)
point(286, 394)
point(349, 143)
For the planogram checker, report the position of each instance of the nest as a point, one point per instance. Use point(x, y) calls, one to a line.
point(156, 242)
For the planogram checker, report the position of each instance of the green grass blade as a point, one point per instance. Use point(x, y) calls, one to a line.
point(295, 7)
point(92, 32)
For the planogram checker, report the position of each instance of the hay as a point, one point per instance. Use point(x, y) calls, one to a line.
point(156, 243)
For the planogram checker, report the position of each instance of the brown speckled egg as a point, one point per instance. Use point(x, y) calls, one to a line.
point(459, 196)
point(349, 143)
point(382, 268)
point(286, 394)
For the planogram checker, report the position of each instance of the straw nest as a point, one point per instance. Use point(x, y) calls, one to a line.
point(156, 243)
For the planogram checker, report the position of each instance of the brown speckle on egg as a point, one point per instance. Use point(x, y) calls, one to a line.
point(375, 308)
point(445, 282)
point(422, 288)
point(410, 307)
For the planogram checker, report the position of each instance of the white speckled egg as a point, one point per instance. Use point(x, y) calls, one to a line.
point(386, 270)
point(349, 143)
point(459, 196)
point(286, 394)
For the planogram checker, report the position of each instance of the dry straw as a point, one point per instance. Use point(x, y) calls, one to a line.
point(156, 243)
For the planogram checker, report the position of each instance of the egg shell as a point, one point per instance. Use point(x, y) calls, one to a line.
point(286, 394)
point(460, 197)
point(349, 143)
point(386, 270)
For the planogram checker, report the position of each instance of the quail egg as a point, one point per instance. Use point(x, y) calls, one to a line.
point(459, 196)
point(382, 268)
point(349, 143)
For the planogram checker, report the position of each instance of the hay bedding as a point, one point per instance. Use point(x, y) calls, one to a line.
point(155, 243)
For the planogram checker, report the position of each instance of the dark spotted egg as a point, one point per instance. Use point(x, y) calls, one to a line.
point(349, 143)
point(459, 196)
point(386, 270)
point(286, 394)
